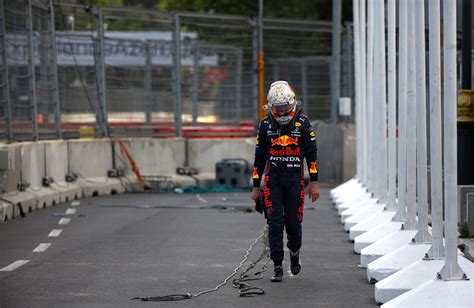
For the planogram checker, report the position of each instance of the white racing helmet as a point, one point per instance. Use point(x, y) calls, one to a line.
point(281, 102)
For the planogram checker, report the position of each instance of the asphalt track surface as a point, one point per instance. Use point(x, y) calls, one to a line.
point(118, 247)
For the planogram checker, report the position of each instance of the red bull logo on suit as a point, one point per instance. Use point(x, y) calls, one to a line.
point(285, 141)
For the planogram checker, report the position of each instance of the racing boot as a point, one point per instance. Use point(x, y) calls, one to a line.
point(295, 266)
point(277, 274)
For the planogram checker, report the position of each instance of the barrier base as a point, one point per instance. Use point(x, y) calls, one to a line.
point(372, 222)
point(349, 189)
point(351, 196)
point(385, 246)
point(396, 261)
point(363, 216)
point(356, 202)
point(356, 208)
point(376, 234)
point(417, 286)
point(346, 186)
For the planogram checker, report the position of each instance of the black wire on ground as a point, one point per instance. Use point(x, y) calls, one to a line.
point(245, 289)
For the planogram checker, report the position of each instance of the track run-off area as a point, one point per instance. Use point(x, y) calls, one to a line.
point(104, 251)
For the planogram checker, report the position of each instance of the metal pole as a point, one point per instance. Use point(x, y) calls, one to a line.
point(436, 175)
point(451, 269)
point(402, 111)
point(54, 63)
point(195, 87)
point(6, 87)
point(238, 96)
point(177, 79)
point(422, 236)
point(466, 44)
point(370, 92)
point(392, 106)
point(102, 86)
point(260, 62)
point(363, 90)
point(358, 120)
point(380, 98)
point(31, 70)
point(411, 121)
point(375, 103)
point(148, 82)
point(336, 58)
point(374, 112)
point(44, 76)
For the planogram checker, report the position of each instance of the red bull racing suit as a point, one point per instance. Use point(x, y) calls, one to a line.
point(279, 157)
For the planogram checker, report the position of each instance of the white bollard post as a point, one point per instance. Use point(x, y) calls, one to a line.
point(363, 87)
point(422, 236)
point(392, 105)
point(402, 111)
point(436, 176)
point(451, 269)
point(355, 6)
point(379, 102)
point(411, 121)
point(370, 93)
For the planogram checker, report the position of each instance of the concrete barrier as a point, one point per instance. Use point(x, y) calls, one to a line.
point(20, 202)
point(33, 162)
point(57, 166)
point(153, 156)
point(56, 159)
point(92, 159)
point(204, 153)
point(6, 211)
point(100, 186)
point(13, 174)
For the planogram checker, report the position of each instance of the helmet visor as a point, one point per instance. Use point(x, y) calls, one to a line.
point(282, 110)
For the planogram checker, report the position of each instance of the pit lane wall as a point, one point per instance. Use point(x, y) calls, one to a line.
point(89, 160)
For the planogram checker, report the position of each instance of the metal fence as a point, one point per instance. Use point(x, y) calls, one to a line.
point(133, 72)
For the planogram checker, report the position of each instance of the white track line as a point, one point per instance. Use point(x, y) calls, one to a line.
point(14, 266)
point(64, 221)
point(75, 203)
point(71, 211)
point(55, 233)
point(42, 247)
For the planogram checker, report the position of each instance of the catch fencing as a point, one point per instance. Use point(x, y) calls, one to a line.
point(69, 70)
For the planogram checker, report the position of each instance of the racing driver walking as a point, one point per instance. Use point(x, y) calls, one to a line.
point(284, 138)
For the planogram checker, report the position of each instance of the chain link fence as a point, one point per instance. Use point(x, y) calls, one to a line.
point(69, 71)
